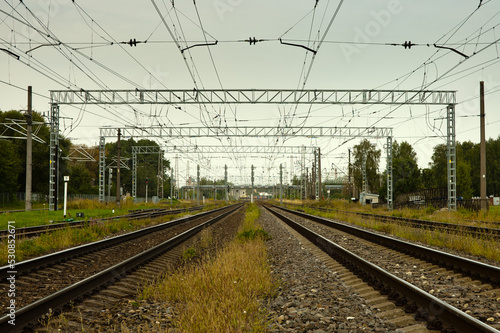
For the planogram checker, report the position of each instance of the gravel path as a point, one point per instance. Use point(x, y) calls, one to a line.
point(471, 296)
point(311, 297)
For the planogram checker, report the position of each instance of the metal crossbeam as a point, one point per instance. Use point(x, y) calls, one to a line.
point(19, 127)
point(253, 96)
point(81, 154)
point(266, 131)
point(239, 149)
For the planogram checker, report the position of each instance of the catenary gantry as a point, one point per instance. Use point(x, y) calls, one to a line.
point(257, 96)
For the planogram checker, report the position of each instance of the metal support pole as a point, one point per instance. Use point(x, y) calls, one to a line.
point(365, 181)
point(306, 184)
point(225, 182)
point(134, 175)
point(452, 158)
point(29, 154)
point(118, 150)
point(389, 174)
point(110, 176)
point(281, 184)
point(66, 179)
point(56, 201)
point(102, 167)
point(198, 183)
point(54, 146)
point(171, 185)
point(484, 203)
point(319, 193)
point(349, 177)
point(251, 195)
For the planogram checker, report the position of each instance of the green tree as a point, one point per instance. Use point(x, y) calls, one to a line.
point(147, 167)
point(372, 163)
point(439, 165)
point(464, 180)
point(40, 151)
point(11, 163)
point(406, 174)
point(80, 180)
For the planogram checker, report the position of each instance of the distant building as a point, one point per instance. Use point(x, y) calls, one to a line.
point(368, 198)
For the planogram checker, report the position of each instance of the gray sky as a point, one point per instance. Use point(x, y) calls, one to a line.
point(353, 54)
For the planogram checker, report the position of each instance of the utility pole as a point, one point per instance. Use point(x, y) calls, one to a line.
point(110, 183)
point(306, 184)
point(118, 150)
point(29, 150)
point(225, 182)
point(198, 182)
point(281, 184)
point(56, 192)
point(320, 192)
point(484, 203)
point(251, 195)
point(365, 181)
point(349, 178)
point(171, 185)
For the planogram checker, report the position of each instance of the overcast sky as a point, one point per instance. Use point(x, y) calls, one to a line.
point(353, 40)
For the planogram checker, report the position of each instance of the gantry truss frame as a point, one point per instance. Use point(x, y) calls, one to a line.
point(201, 149)
point(253, 96)
point(146, 150)
point(258, 96)
point(246, 131)
point(198, 132)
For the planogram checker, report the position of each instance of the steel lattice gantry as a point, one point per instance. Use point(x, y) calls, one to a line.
point(202, 150)
point(180, 132)
point(240, 149)
point(255, 96)
point(144, 150)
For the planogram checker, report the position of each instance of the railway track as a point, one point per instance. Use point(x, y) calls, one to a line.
point(449, 293)
point(53, 281)
point(475, 231)
point(133, 215)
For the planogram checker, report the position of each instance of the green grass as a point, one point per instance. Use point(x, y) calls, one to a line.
point(69, 237)
point(221, 294)
point(92, 210)
point(484, 247)
point(34, 218)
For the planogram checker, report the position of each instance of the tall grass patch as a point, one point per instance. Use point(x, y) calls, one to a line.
point(221, 294)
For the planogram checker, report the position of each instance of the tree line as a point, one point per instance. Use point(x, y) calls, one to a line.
point(407, 176)
point(84, 176)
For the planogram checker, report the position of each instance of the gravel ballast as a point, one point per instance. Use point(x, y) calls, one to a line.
point(312, 298)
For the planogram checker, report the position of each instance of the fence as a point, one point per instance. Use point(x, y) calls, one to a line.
point(15, 198)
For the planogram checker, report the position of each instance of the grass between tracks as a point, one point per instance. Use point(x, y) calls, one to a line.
point(222, 294)
point(486, 246)
point(61, 239)
point(92, 209)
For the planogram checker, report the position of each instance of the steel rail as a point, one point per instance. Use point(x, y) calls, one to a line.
point(40, 262)
point(415, 299)
point(29, 315)
point(136, 215)
point(431, 225)
point(462, 265)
